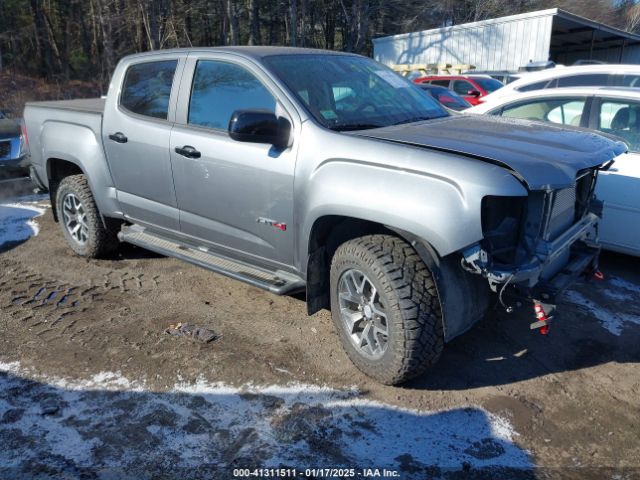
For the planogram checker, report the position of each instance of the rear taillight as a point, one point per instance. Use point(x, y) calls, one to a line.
point(24, 140)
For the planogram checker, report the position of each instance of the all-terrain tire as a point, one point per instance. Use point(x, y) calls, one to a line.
point(100, 239)
point(407, 290)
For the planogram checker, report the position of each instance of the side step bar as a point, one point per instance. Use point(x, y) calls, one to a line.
point(277, 282)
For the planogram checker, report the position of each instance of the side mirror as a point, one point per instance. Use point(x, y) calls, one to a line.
point(258, 126)
point(474, 93)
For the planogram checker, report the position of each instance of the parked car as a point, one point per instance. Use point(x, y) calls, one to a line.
point(328, 173)
point(13, 149)
point(448, 98)
point(601, 75)
point(469, 87)
point(614, 111)
point(503, 76)
point(537, 66)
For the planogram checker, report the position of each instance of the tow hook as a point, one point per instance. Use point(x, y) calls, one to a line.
point(543, 319)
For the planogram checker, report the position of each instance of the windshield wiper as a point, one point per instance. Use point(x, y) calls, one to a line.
point(412, 120)
point(354, 126)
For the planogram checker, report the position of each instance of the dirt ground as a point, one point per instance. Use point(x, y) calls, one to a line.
point(572, 397)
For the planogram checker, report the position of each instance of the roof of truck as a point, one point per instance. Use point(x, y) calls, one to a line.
point(248, 51)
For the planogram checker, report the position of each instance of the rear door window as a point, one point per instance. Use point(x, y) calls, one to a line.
point(220, 88)
point(566, 111)
point(147, 88)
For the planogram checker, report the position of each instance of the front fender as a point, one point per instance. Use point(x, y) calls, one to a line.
point(435, 196)
point(431, 207)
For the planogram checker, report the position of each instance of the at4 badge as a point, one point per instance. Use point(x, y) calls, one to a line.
point(273, 223)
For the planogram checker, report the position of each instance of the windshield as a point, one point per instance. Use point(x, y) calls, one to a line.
point(352, 93)
point(490, 85)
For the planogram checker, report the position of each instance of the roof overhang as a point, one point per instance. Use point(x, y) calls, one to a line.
point(572, 33)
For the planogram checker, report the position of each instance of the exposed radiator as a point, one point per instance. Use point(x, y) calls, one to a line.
point(563, 212)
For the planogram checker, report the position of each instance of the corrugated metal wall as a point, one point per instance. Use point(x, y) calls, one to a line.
point(489, 45)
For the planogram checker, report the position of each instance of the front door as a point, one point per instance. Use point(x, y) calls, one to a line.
point(136, 130)
point(233, 196)
point(619, 186)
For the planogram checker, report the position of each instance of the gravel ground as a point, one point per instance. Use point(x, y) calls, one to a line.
point(92, 387)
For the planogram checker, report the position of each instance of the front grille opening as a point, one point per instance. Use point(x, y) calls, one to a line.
point(502, 219)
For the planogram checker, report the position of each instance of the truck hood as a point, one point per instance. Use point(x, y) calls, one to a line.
point(9, 128)
point(541, 155)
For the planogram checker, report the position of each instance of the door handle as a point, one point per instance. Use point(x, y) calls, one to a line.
point(118, 137)
point(188, 151)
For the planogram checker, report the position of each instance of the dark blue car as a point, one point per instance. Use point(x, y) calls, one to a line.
point(13, 148)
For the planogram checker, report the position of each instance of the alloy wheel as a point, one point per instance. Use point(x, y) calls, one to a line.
point(363, 314)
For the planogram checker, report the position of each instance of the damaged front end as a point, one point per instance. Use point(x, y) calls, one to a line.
point(535, 246)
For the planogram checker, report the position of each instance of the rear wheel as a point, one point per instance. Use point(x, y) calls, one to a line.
point(80, 220)
point(386, 308)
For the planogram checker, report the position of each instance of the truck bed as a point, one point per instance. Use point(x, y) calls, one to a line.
point(89, 105)
point(66, 124)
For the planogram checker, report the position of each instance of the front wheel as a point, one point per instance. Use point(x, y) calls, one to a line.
point(80, 221)
point(386, 308)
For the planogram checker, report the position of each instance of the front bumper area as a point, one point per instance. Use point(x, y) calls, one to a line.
point(554, 266)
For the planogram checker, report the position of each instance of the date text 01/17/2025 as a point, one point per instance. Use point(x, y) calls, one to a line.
point(315, 473)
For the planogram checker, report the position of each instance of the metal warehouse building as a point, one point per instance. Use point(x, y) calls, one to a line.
point(507, 43)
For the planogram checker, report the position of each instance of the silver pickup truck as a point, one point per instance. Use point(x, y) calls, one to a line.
point(305, 170)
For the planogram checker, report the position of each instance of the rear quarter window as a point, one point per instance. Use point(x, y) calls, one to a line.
point(585, 80)
point(147, 88)
point(532, 86)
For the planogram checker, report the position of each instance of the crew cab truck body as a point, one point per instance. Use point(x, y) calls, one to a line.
point(296, 169)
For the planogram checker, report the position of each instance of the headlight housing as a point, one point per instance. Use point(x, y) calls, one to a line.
point(502, 224)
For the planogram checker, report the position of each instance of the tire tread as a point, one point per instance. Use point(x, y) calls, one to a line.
point(102, 240)
point(413, 291)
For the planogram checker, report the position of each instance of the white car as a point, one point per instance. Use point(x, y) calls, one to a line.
point(602, 75)
point(615, 111)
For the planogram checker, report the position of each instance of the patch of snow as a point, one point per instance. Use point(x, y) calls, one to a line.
point(17, 219)
point(109, 422)
point(617, 290)
point(633, 290)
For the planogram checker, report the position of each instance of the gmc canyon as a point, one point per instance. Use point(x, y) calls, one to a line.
point(306, 170)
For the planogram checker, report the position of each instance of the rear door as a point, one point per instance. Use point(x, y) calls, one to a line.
point(137, 124)
point(233, 196)
point(619, 186)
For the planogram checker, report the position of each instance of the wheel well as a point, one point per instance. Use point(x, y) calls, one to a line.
point(57, 170)
point(327, 234)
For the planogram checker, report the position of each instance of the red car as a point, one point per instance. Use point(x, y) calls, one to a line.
point(469, 87)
